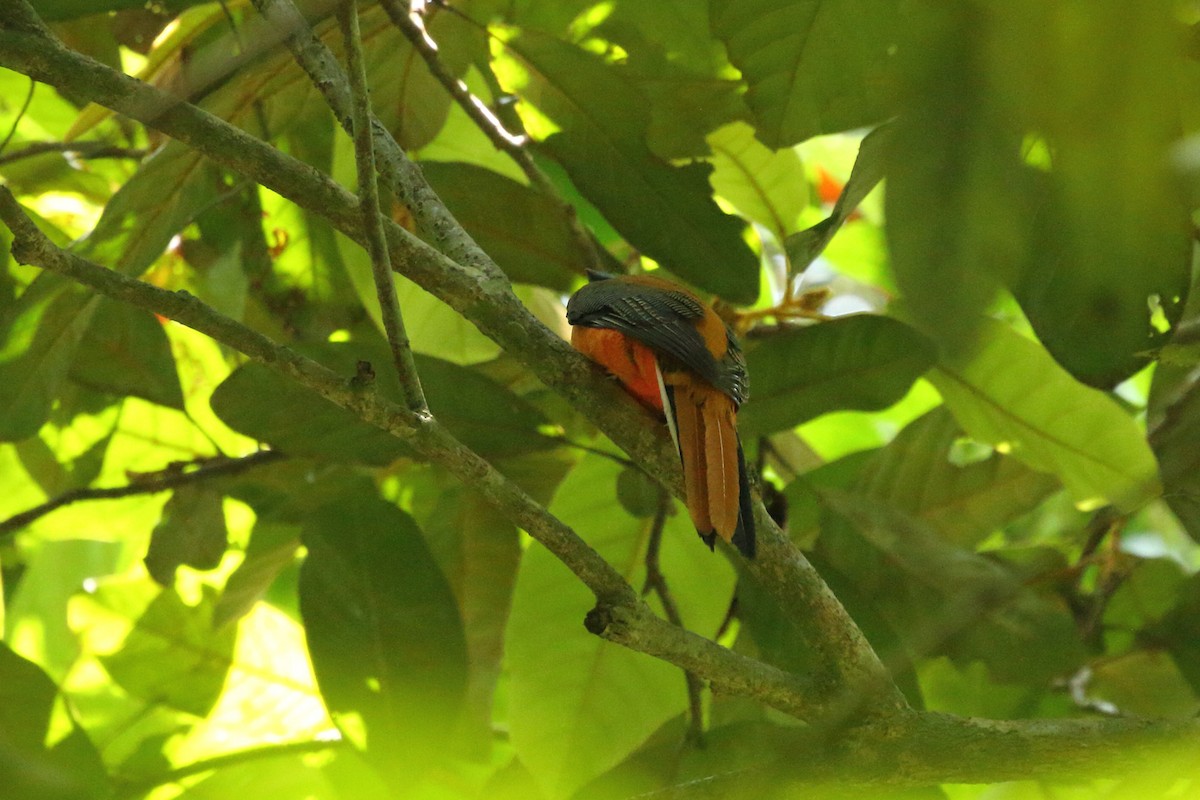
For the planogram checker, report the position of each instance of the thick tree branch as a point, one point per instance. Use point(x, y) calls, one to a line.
point(368, 193)
point(928, 749)
point(161, 482)
point(621, 616)
point(490, 304)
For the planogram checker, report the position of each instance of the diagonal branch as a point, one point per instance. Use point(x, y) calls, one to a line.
point(488, 303)
point(620, 615)
point(368, 193)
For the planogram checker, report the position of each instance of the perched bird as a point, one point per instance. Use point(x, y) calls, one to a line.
point(674, 354)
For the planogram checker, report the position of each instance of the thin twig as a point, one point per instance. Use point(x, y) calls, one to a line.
point(80, 150)
point(404, 177)
point(657, 582)
point(368, 194)
point(512, 144)
point(172, 478)
point(20, 115)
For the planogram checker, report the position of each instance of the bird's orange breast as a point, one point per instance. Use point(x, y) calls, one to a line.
point(628, 359)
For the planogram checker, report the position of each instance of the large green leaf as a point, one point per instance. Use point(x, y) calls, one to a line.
point(41, 335)
point(766, 186)
point(803, 247)
point(163, 196)
point(680, 68)
point(1011, 394)
point(479, 551)
point(917, 473)
point(857, 362)
point(527, 233)
point(1113, 238)
point(174, 655)
point(945, 600)
point(958, 192)
point(1174, 442)
point(261, 403)
point(125, 351)
point(812, 66)
point(665, 211)
point(1083, 221)
point(384, 634)
point(578, 705)
point(41, 758)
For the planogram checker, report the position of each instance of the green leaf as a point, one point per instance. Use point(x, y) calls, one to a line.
point(965, 503)
point(766, 186)
point(384, 634)
point(44, 755)
point(263, 404)
point(1113, 237)
point(125, 351)
point(483, 414)
point(434, 328)
point(666, 212)
point(174, 655)
point(1174, 442)
point(1012, 395)
point(56, 10)
point(812, 66)
point(679, 67)
point(527, 233)
point(805, 246)
point(478, 551)
point(42, 333)
point(857, 362)
point(191, 532)
point(1180, 631)
point(52, 572)
point(168, 190)
point(272, 549)
point(569, 694)
point(958, 191)
point(945, 600)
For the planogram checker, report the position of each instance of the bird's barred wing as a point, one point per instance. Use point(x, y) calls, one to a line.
point(665, 321)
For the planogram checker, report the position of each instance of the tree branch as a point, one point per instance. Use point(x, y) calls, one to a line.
point(488, 303)
point(620, 616)
point(85, 150)
point(927, 749)
point(368, 193)
point(168, 479)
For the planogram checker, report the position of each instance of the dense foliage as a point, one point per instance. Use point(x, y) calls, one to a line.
point(956, 238)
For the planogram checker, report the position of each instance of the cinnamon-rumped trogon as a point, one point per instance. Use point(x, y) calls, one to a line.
point(674, 354)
